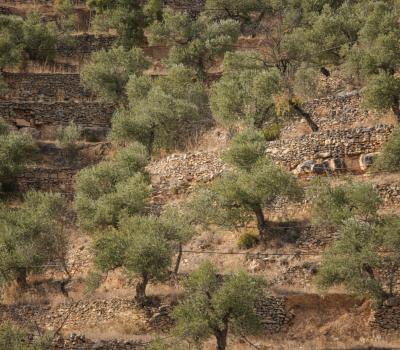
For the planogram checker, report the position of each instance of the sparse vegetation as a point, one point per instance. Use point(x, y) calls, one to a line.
point(170, 72)
point(247, 241)
point(13, 338)
point(16, 150)
point(67, 139)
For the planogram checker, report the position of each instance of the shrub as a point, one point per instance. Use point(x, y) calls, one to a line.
point(389, 158)
point(272, 132)
point(31, 236)
point(16, 150)
point(13, 338)
point(248, 240)
point(67, 139)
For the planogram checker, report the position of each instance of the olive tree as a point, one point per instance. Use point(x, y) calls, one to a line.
point(333, 205)
point(246, 93)
point(31, 236)
point(11, 47)
point(127, 18)
point(16, 151)
point(138, 246)
point(108, 72)
point(215, 307)
point(194, 43)
point(373, 59)
point(163, 112)
point(244, 192)
point(110, 189)
point(249, 13)
point(178, 229)
point(364, 258)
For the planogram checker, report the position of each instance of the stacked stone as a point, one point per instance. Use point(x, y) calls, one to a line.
point(273, 314)
point(47, 179)
point(35, 114)
point(387, 317)
point(44, 87)
point(75, 341)
point(179, 173)
point(332, 144)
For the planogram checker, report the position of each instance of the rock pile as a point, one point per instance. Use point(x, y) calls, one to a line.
point(179, 173)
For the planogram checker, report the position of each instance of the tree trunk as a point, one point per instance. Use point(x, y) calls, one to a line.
point(307, 116)
point(221, 337)
point(396, 108)
point(178, 259)
point(261, 223)
point(141, 289)
point(21, 278)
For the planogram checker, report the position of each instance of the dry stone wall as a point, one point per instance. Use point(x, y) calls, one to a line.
point(47, 179)
point(331, 144)
point(85, 44)
point(29, 87)
point(37, 113)
point(387, 317)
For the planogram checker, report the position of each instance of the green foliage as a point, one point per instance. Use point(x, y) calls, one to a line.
point(389, 158)
point(331, 206)
point(245, 149)
point(195, 43)
point(66, 16)
point(16, 150)
point(139, 247)
point(11, 47)
point(108, 72)
point(163, 112)
point(29, 38)
point(39, 39)
point(67, 140)
point(253, 184)
point(212, 306)
point(245, 93)
point(239, 10)
point(247, 241)
point(111, 189)
point(13, 338)
point(272, 132)
point(127, 18)
point(354, 259)
point(31, 236)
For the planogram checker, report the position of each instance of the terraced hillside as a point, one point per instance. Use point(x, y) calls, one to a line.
point(41, 98)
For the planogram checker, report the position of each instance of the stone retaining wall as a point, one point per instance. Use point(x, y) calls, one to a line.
point(387, 317)
point(44, 87)
point(47, 179)
point(58, 113)
point(331, 144)
point(85, 44)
